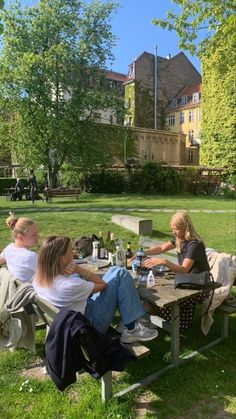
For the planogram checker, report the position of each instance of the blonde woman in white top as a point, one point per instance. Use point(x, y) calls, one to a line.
point(18, 257)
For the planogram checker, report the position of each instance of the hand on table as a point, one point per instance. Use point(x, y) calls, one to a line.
point(151, 262)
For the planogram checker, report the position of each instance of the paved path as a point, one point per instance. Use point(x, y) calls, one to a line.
point(115, 209)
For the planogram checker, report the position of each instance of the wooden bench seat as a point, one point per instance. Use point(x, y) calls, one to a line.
point(50, 193)
point(46, 312)
point(224, 310)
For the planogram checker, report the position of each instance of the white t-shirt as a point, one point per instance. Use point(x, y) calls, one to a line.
point(66, 291)
point(20, 262)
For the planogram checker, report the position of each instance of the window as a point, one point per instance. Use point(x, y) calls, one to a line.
point(184, 100)
point(190, 155)
point(130, 121)
point(171, 119)
point(195, 97)
point(190, 135)
point(191, 116)
point(111, 119)
point(173, 103)
point(181, 117)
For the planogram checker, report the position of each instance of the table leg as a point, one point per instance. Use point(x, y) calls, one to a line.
point(175, 335)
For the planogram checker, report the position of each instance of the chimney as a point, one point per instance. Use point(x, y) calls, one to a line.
point(168, 56)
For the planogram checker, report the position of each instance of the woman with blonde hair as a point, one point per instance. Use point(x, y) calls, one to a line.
point(63, 283)
point(188, 244)
point(21, 261)
point(191, 257)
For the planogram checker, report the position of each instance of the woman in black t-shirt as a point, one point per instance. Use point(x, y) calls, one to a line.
point(191, 258)
point(189, 246)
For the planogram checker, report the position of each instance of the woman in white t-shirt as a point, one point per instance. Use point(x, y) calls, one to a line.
point(21, 261)
point(65, 284)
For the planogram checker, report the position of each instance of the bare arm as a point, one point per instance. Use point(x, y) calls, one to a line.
point(184, 268)
point(157, 250)
point(99, 284)
point(2, 260)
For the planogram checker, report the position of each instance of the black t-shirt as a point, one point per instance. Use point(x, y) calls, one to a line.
point(194, 250)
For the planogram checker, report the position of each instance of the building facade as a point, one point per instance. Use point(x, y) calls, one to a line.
point(152, 82)
point(183, 114)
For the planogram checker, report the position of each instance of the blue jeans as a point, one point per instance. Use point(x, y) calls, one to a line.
point(120, 294)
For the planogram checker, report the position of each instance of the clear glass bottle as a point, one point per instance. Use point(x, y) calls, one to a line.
point(120, 254)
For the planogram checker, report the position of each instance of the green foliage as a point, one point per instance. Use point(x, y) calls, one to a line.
point(51, 65)
point(153, 178)
point(105, 182)
point(218, 139)
point(196, 18)
point(70, 176)
point(6, 183)
point(207, 28)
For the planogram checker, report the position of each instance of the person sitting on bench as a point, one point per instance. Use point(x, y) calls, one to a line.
point(20, 260)
point(19, 190)
point(63, 283)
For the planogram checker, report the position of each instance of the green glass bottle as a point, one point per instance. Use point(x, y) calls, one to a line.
point(101, 247)
point(107, 244)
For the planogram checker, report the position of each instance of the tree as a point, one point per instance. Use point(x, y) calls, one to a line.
point(51, 67)
point(207, 29)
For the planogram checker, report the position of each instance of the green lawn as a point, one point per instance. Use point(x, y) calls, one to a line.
point(201, 388)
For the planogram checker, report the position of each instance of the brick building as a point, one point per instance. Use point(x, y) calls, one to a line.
point(152, 82)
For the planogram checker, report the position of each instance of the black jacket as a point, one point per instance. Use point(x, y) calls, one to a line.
point(73, 344)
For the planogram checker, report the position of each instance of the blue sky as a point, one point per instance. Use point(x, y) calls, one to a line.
point(136, 34)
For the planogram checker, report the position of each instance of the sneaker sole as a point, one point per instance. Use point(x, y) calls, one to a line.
point(139, 339)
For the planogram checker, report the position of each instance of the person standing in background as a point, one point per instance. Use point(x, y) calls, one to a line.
point(32, 185)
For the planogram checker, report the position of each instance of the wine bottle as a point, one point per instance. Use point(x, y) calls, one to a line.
point(107, 244)
point(128, 256)
point(112, 250)
point(101, 246)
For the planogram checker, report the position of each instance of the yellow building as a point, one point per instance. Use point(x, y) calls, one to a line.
point(184, 116)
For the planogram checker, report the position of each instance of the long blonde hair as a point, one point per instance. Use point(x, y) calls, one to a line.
point(183, 222)
point(19, 225)
point(49, 264)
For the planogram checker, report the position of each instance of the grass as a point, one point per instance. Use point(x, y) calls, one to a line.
point(201, 388)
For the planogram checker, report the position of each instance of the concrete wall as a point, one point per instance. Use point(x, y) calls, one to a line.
point(160, 146)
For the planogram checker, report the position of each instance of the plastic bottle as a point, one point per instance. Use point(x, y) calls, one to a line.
point(150, 279)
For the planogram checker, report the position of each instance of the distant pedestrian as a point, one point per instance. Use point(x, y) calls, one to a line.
point(32, 186)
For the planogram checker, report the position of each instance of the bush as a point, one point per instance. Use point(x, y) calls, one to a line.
point(152, 178)
point(105, 181)
point(7, 182)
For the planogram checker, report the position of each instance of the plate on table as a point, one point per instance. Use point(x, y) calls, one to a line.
point(159, 269)
point(79, 261)
point(94, 266)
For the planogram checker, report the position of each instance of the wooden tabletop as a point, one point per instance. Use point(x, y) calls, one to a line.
point(164, 294)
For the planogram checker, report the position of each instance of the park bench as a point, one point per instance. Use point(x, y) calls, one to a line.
point(50, 193)
point(46, 312)
point(224, 310)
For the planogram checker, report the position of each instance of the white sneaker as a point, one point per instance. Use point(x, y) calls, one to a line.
point(139, 333)
point(147, 323)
